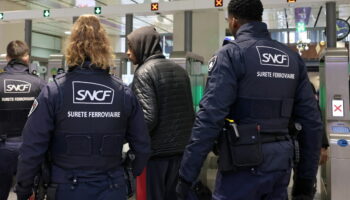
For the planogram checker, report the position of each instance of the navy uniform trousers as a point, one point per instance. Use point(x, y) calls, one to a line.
point(8, 164)
point(88, 186)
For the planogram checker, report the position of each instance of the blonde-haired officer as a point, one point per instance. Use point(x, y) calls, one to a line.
point(82, 120)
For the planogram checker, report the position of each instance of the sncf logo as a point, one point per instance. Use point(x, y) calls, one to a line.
point(272, 56)
point(91, 93)
point(16, 86)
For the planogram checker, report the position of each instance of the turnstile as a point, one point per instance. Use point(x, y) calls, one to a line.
point(3, 62)
point(120, 65)
point(193, 64)
point(334, 93)
point(198, 72)
point(56, 63)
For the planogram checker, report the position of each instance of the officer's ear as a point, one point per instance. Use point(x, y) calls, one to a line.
point(8, 59)
point(25, 58)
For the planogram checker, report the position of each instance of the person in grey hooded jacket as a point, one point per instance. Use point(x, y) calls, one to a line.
point(164, 91)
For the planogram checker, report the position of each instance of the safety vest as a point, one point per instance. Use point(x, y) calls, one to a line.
point(90, 124)
point(18, 90)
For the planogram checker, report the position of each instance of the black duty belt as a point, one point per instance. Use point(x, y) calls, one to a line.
point(274, 138)
point(7, 137)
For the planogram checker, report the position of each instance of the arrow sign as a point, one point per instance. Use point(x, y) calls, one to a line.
point(98, 10)
point(46, 13)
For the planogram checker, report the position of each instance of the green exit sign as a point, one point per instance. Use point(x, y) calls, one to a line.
point(1, 16)
point(46, 13)
point(301, 27)
point(98, 10)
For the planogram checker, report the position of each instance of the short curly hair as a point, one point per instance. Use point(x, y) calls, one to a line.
point(246, 9)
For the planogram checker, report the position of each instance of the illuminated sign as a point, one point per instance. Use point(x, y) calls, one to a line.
point(301, 27)
point(291, 1)
point(98, 10)
point(219, 3)
point(154, 6)
point(1, 16)
point(85, 3)
point(46, 13)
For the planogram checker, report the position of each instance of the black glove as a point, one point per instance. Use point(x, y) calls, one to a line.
point(23, 193)
point(23, 196)
point(183, 187)
point(303, 189)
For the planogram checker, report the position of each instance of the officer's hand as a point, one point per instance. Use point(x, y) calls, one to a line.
point(323, 156)
point(182, 189)
point(303, 189)
point(23, 192)
point(23, 196)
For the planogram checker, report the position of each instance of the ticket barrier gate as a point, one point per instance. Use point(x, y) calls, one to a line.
point(198, 72)
point(3, 62)
point(119, 65)
point(334, 92)
point(55, 66)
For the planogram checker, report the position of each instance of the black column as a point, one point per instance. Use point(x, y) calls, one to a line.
point(188, 31)
point(331, 24)
point(128, 28)
point(28, 32)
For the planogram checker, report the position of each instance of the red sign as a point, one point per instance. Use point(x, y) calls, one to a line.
point(154, 6)
point(219, 3)
point(337, 108)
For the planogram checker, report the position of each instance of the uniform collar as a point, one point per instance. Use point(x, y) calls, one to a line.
point(253, 29)
point(87, 67)
point(16, 66)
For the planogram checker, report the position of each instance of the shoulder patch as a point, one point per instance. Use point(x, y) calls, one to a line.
point(212, 63)
point(34, 106)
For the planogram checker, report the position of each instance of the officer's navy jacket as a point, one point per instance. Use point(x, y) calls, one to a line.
point(18, 89)
point(257, 80)
point(83, 119)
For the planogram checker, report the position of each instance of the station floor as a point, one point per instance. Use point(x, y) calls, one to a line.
point(13, 196)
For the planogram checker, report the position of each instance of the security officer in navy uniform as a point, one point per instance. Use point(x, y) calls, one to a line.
point(82, 120)
point(18, 89)
point(255, 85)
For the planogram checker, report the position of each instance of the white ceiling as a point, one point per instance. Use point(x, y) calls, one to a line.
point(274, 16)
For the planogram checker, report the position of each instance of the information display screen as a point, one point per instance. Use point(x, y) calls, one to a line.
point(340, 129)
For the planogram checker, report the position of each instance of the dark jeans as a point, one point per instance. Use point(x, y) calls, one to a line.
point(162, 177)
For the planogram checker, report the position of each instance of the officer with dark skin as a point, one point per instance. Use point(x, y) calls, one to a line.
point(81, 120)
point(18, 89)
point(255, 85)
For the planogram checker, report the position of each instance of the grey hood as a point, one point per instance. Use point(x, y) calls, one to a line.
point(145, 42)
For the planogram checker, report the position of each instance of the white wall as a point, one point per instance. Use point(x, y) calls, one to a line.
point(9, 32)
point(208, 32)
point(13, 31)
